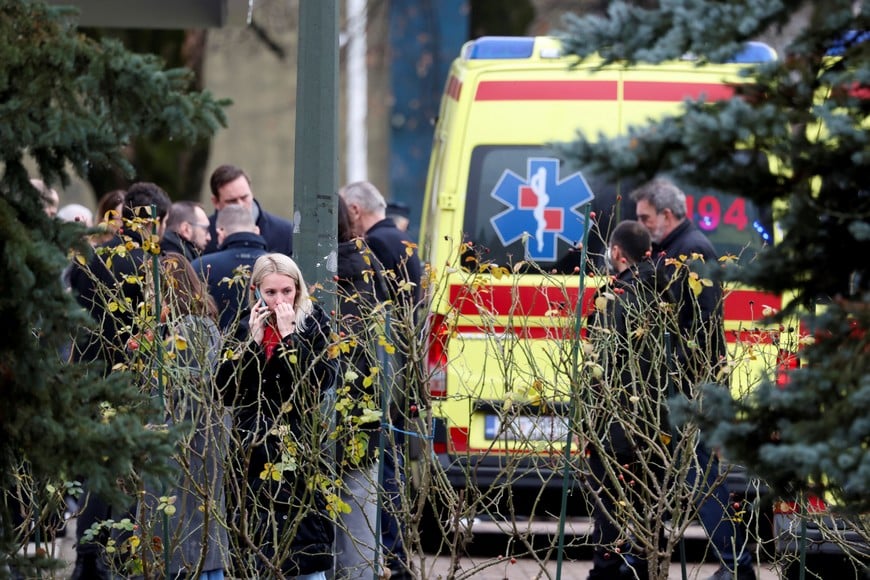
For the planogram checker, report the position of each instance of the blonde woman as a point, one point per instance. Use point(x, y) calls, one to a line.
point(275, 387)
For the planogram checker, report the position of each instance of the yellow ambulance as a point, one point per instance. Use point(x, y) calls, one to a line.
point(498, 198)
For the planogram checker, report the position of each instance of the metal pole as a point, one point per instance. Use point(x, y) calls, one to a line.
point(316, 163)
point(567, 476)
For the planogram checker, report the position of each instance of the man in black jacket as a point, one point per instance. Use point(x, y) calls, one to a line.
point(232, 186)
point(239, 246)
point(187, 230)
point(107, 281)
point(627, 330)
point(391, 246)
point(678, 249)
point(401, 271)
point(661, 207)
point(112, 274)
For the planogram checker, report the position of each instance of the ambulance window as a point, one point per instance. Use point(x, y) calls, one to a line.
point(500, 218)
point(508, 218)
point(734, 224)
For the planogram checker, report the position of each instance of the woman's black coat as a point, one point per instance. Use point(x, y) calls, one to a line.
point(276, 402)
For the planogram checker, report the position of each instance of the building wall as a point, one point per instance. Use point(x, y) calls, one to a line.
point(262, 84)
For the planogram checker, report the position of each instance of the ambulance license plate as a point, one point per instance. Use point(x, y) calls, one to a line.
point(526, 428)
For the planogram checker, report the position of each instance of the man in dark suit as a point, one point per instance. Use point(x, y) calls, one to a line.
point(187, 230)
point(401, 274)
point(232, 186)
point(661, 208)
point(239, 246)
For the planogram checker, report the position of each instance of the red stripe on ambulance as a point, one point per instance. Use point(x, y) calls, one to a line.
point(520, 301)
point(546, 91)
point(454, 88)
point(749, 304)
point(592, 91)
point(669, 92)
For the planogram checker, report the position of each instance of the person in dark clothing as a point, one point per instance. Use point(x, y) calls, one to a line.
point(400, 266)
point(400, 213)
point(227, 271)
point(358, 423)
point(627, 330)
point(678, 247)
point(110, 279)
point(276, 386)
point(661, 208)
point(187, 230)
point(232, 186)
point(390, 245)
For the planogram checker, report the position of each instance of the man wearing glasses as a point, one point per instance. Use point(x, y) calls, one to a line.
point(187, 230)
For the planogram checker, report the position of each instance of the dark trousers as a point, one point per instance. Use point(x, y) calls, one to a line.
point(715, 512)
point(391, 505)
point(95, 510)
point(610, 560)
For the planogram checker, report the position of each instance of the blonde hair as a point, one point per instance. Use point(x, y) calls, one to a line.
point(281, 264)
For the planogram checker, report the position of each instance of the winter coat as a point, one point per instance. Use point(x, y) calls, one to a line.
point(700, 319)
point(173, 243)
point(98, 288)
point(629, 335)
point(397, 257)
point(390, 246)
point(239, 249)
point(277, 415)
point(277, 231)
point(357, 280)
point(197, 537)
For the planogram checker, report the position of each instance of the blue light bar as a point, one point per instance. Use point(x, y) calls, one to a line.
point(850, 38)
point(500, 47)
point(754, 52)
point(761, 231)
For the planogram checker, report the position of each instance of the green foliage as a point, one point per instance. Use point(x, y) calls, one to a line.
point(176, 165)
point(66, 97)
point(64, 100)
point(800, 126)
point(802, 433)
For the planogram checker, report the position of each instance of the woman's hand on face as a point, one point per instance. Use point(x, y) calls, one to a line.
point(285, 319)
point(259, 315)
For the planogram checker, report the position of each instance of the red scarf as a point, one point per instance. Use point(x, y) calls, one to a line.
point(271, 339)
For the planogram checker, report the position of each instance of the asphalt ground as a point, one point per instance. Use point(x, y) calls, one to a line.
point(485, 560)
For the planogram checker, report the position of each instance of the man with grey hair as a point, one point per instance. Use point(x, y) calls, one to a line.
point(661, 208)
point(226, 271)
point(367, 212)
point(398, 258)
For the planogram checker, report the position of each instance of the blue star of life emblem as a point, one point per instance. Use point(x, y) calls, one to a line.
point(541, 208)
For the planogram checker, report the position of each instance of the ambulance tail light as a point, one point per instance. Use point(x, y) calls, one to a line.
point(786, 362)
point(459, 439)
point(814, 505)
point(499, 48)
point(437, 357)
